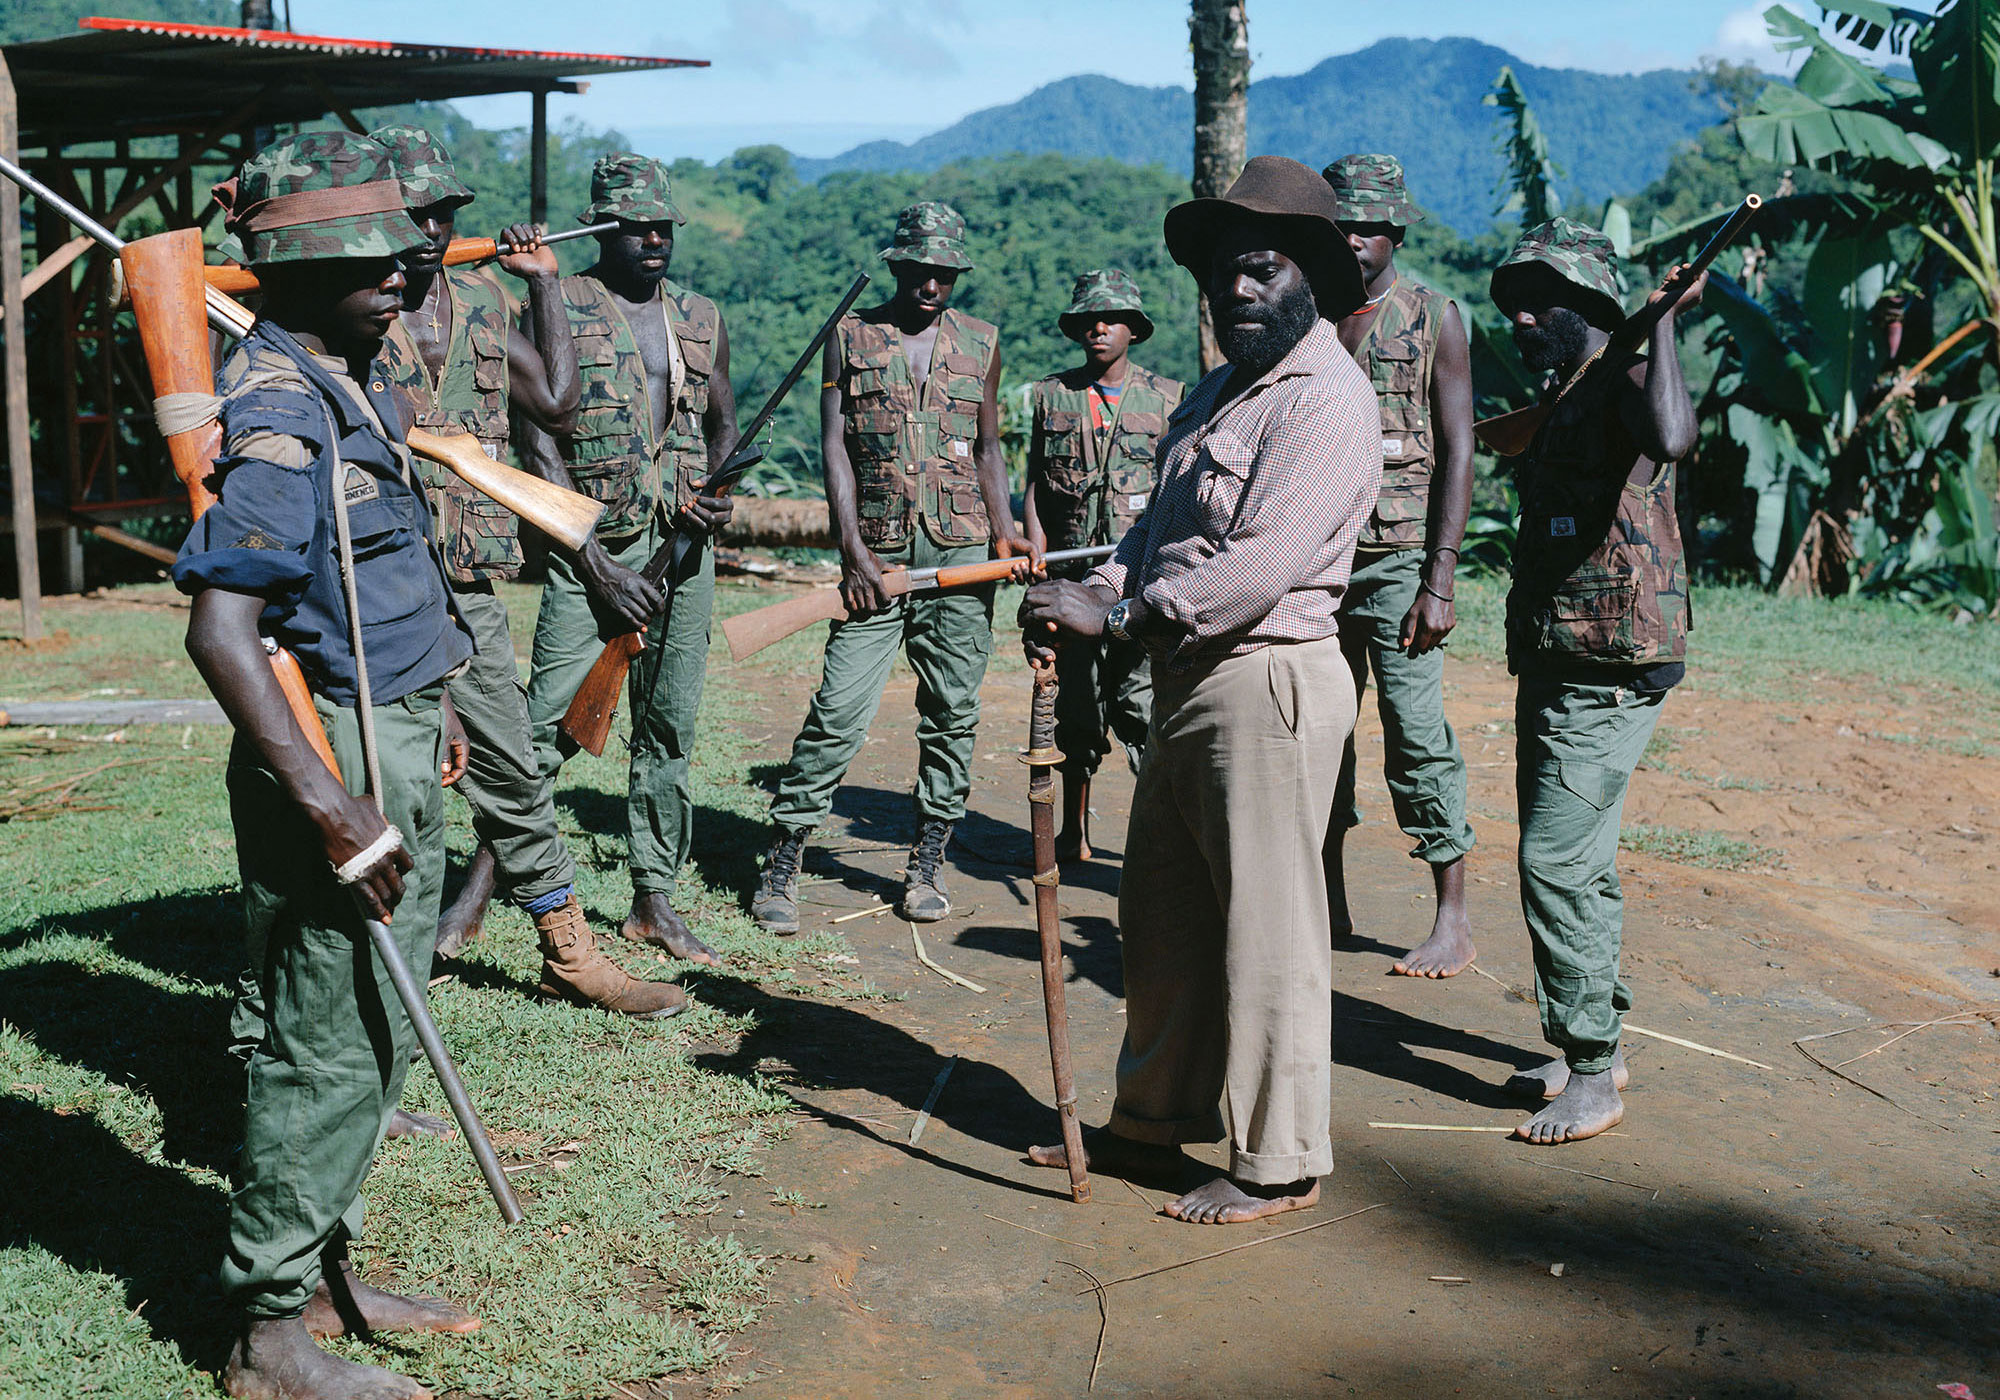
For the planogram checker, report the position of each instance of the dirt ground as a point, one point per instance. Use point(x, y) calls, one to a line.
point(1753, 1230)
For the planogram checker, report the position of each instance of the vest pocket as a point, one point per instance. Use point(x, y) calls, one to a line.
point(872, 434)
point(1590, 613)
point(389, 577)
point(481, 537)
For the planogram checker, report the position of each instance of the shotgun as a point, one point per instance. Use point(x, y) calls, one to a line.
point(1041, 758)
point(563, 515)
point(1510, 433)
point(228, 277)
point(749, 633)
point(164, 273)
point(587, 721)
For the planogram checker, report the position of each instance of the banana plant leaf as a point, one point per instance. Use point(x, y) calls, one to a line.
point(1774, 374)
point(1845, 278)
point(1957, 60)
point(1785, 475)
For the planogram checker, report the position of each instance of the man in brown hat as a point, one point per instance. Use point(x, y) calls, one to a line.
point(1397, 611)
point(1232, 581)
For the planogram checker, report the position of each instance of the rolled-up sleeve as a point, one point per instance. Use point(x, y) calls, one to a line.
point(256, 536)
point(1113, 572)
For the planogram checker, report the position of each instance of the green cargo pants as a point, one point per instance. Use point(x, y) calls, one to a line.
point(1420, 754)
point(948, 637)
point(335, 1043)
point(662, 697)
point(1102, 685)
point(1578, 745)
point(512, 800)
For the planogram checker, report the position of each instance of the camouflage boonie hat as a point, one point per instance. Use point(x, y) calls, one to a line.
point(1578, 254)
point(632, 187)
point(1105, 291)
point(319, 194)
point(1370, 190)
point(424, 167)
point(931, 233)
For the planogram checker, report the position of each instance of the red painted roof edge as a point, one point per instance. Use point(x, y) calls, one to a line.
point(279, 38)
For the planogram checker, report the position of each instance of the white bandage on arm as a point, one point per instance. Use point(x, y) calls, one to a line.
point(364, 860)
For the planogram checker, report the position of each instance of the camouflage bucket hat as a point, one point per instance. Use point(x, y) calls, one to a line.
point(424, 167)
point(632, 187)
point(1370, 190)
point(931, 233)
point(1106, 291)
point(319, 194)
point(1578, 254)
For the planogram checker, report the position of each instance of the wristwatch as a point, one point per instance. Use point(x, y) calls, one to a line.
point(1114, 621)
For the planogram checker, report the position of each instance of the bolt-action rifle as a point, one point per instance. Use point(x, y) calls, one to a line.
point(587, 721)
point(749, 633)
point(1510, 433)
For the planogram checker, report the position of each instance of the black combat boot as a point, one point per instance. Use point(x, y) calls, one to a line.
point(775, 906)
point(924, 899)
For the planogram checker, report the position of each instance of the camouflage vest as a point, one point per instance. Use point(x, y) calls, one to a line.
point(479, 536)
point(1091, 484)
point(613, 456)
point(1399, 354)
point(912, 455)
point(1599, 572)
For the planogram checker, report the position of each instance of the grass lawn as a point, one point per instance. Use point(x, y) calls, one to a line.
point(120, 935)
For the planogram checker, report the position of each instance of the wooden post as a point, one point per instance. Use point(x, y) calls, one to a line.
point(538, 160)
point(20, 464)
point(1219, 33)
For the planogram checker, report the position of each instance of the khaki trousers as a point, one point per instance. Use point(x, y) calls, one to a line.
point(1228, 961)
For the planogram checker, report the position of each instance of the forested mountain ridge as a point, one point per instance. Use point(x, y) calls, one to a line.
point(1416, 98)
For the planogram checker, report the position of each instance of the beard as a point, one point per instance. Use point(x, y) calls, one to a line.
point(1255, 338)
point(1556, 339)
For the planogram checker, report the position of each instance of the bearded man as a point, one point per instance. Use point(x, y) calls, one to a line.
point(1232, 581)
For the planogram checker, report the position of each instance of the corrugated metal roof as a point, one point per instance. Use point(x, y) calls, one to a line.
point(133, 77)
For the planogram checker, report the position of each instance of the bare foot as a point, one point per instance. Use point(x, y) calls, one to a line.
point(343, 1303)
point(1104, 1150)
point(1448, 951)
point(404, 1123)
point(1071, 847)
point(460, 924)
point(1546, 1081)
point(1226, 1202)
point(654, 921)
point(276, 1360)
point(1588, 1105)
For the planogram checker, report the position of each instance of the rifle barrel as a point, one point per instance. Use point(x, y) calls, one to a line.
point(927, 578)
point(84, 223)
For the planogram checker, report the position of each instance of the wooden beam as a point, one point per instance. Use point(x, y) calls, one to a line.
point(335, 105)
point(186, 160)
point(14, 371)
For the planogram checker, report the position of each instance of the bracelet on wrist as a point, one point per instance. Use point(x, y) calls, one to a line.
point(1441, 597)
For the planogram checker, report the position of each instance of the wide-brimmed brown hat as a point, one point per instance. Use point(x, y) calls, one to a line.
point(1305, 214)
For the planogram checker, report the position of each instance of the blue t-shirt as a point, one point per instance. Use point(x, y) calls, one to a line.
point(290, 421)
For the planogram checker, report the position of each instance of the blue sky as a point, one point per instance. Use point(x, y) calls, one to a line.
point(820, 75)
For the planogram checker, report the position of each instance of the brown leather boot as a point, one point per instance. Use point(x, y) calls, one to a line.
point(574, 970)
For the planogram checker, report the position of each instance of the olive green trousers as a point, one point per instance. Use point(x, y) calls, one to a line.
point(1420, 754)
point(1577, 747)
point(948, 637)
point(333, 1040)
point(662, 696)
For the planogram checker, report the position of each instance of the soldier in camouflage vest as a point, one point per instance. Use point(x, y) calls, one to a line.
point(657, 417)
point(1596, 632)
point(459, 363)
point(1092, 458)
point(910, 428)
point(307, 434)
point(1397, 611)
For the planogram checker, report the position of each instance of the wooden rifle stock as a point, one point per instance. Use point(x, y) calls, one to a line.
point(1509, 434)
point(587, 721)
point(749, 633)
point(240, 281)
point(164, 275)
